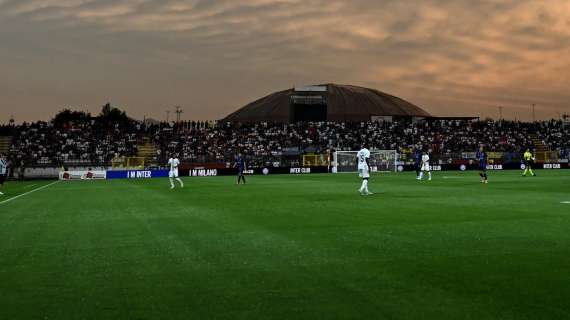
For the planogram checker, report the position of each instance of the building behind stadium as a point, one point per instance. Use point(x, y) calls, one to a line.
point(328, 102)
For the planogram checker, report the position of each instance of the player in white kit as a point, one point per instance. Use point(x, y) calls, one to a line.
point(364, 169)
point(173, 174)
point(425, 167)
point(3, 171)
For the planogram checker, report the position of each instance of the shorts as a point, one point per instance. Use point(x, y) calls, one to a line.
point(2, 179)
point(364, 173)
point(528, 163)
point(426, 167)
point(173, 174)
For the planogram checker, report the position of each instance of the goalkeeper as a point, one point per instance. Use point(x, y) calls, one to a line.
point(528, 159)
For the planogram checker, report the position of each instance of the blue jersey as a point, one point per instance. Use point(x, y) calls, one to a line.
point(482, 158)
point(240, 163)
point(418, 157)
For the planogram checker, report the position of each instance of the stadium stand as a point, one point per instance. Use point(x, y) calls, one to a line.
point(91, 143)
point(5, 143)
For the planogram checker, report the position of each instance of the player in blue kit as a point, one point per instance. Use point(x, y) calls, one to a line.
point(240, 164)
point(482, 159)
point(418, 161)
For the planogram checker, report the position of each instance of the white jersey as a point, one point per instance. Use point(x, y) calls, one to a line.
point(425, 163)
point(363, 169)
point(362, 156)
point(3, 166)
point(173, 164)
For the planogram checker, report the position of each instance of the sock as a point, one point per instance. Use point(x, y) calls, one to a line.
point(171, 183)
point(421, 175)
point(485, 176)
point(362, 186)
point(181, 183)
point(243, 179)
point(429, 175)
point(530, 170)
point(366, 186)
point(525, 171)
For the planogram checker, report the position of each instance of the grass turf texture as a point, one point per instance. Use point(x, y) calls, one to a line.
point(289, 247)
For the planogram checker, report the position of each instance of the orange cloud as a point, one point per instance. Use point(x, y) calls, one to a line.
point(463, 55)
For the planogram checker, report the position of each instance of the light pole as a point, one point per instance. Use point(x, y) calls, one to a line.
point(178, 113)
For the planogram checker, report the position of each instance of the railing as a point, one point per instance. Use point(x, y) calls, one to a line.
point(128, 163)
point(316, 160)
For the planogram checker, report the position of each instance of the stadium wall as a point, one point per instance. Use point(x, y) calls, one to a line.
point(215, 172)
point(211, 172)
point(81, 173)
point(491, 167)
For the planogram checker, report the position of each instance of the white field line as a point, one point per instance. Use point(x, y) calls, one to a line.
point(26, 193)
point(565, 202)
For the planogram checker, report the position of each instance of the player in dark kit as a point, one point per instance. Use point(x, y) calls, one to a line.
point(240, 164)
point(418, 161)
point(482, 158)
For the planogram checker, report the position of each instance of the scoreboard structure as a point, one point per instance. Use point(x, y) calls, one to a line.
point(309, 104)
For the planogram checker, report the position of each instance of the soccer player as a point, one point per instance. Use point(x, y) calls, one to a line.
point(418, 162)
point(482, 158)
point(528, 162)
point(240, 164)
point(425, 167)
point(3, 171)
point(364, 169)
point(173, 174)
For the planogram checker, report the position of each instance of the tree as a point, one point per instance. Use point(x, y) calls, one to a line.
point(67, 116)
point(110, 114)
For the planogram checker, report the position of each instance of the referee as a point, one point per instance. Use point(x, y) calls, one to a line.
point(528, 159)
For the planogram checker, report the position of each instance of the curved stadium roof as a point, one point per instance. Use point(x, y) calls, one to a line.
point(344, 103)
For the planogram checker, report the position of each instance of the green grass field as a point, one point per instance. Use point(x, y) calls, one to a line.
point(288, 247)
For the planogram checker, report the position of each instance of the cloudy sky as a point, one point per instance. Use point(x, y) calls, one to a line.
point(460, 57)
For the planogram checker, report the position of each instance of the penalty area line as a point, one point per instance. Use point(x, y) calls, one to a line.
point(565, 202)
point(26, 193)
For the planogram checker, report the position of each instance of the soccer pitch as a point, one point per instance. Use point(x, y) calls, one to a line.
point(288, 247)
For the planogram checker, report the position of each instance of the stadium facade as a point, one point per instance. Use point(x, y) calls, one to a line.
point(328, 102)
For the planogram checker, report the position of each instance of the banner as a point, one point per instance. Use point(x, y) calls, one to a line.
point(137, 174)
point(203, 172)
point(83, 175)
point(494, 167)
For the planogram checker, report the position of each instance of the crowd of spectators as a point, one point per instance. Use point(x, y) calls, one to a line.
point(97, 143)
point(87, 143)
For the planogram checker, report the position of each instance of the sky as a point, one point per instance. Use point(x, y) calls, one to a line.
point(452, 58)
